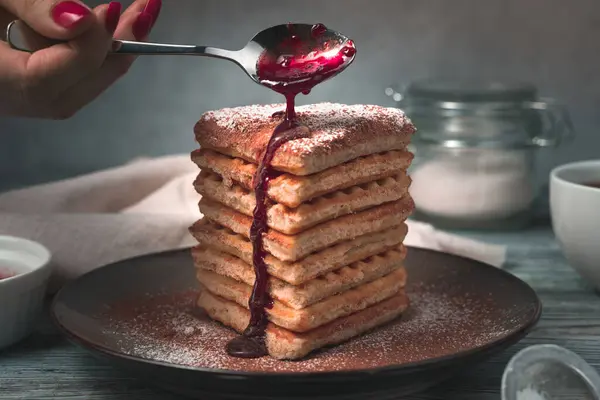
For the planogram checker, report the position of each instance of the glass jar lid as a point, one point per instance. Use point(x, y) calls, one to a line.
point(471, 113)
point(444, 92)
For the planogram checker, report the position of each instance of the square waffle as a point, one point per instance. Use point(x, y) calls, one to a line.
point(292, 190)
point(221, 239)
point(320, 209)
point(315, 315)
point(295, 247)
point(337, 133)
point(284, 344)
point(337, 202)
point(312, 291)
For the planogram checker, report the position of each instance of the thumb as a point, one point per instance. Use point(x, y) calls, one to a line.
point(61, 20)
point(51, 71)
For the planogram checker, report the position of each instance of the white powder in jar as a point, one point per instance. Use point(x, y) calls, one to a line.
point(474, 184)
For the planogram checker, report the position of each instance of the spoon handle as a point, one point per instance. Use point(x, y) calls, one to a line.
point(147, 48)
point(20, 37)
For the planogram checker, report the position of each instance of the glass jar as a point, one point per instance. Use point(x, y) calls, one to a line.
point(476, 150)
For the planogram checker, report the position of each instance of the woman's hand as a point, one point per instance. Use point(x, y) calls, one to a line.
point(57, 81)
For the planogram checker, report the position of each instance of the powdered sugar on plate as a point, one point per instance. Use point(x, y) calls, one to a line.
point(169, 329)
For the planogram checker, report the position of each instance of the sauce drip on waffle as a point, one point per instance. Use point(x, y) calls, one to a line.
point(289, 70)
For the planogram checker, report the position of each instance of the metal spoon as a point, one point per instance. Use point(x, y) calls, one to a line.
point(21, 37)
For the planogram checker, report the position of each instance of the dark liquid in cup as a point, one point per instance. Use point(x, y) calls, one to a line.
point(595, 184)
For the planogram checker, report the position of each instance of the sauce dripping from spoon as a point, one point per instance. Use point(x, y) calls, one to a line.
point(296, 66)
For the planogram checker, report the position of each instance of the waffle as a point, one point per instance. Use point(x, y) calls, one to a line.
point(291, 190)
point(296, 247)
point(224, 240)
point(337, 201)
point(335, 134)
point(286, 345)
point(294, 220)
point(313, 291)
point(315, 315)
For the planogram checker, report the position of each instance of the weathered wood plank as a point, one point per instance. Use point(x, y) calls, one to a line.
point(47, 367)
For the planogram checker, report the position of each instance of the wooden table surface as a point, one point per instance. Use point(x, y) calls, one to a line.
point(46, 366)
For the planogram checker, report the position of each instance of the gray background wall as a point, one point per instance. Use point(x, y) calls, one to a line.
point(552, 43)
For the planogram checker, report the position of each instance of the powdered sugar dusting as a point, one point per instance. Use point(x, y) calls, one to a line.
point(238, 118)
point(316, 116)
point(170, 329)
point(332, 126)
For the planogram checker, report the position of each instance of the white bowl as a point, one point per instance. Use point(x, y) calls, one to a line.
point(22, 294)
point(575, 210)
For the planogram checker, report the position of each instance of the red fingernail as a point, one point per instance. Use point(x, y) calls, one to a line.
point(142, 25)
point(153, 8)
point(113, 14)
point(68, 13)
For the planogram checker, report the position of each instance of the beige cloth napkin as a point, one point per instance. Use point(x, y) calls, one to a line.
point(143, 207)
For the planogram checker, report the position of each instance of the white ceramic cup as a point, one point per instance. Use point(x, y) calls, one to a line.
point(21, 295)
point(575, 210)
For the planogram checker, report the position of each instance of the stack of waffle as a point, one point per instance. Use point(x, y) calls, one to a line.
point(336, 214)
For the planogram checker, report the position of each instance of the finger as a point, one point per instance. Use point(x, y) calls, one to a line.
point(62, 20)
point(112, 69)
point(5, 19)
point(11, 100)
point(153, 8)
point(129, 17)
point(146, 19)
point(116, 66)
point(119, 65)
point(135, 8)
point(53, 71)
point(125, 32)
point(113, 16)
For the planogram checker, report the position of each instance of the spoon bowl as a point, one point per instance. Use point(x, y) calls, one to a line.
point(276, 45)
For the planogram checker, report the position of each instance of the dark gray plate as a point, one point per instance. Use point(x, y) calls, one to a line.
point(139, 314)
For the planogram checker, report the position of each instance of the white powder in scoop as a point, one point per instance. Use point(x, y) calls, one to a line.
point(530, 393)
